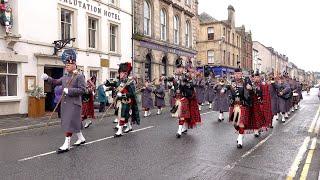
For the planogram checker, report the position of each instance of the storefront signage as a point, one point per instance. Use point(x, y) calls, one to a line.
point(104, 63)
point(166, 49)
point(96, 9)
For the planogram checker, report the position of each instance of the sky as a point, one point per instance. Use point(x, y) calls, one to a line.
point(291, 27)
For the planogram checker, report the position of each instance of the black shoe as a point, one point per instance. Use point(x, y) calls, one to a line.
point(256, 135)
point(271, 127)
point(83, 142)
point(116, 135)
point(239, 146)
point(219, 120)
point(60, 151)
point(115, 128)
point(185, 131)
point(178, 135)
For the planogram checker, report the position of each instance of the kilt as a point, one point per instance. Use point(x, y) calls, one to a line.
point(257, 119)
point(189, 111)
point(184, 111)
point(242, 120)
point(88, 109)
point(266, 105)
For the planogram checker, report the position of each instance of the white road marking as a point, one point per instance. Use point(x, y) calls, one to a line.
point(91, 142)
point(207, 112)
point(314, 121)
point(295, 165)
point(317, 128)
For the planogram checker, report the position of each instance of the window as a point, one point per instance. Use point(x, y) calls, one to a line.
point(163, 28)
point(188, 2)
point(113, 75)
point(94, 73)
point(92, 29)
point(210, 33)
point(229, 54)
point(113, 37)
point(147, 18)
point(224, 32)
point(187, 35)
point(237, 41)
point(210, 57)
point(176, 27)
point(224, 56)
point(233, 60)
point(114, 2)
point(233, 38)
point(8, 79)
point(66, 24)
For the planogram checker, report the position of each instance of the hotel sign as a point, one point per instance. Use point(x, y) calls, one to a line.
point(92, 8)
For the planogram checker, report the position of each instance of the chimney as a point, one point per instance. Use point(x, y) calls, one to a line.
point(231, 12)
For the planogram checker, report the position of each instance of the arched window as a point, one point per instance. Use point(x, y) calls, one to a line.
point(147, 18)
point(176, 27)
point(163, 21)
point(188, 33)
point(164, 66)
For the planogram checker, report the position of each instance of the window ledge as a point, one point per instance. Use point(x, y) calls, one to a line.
point(9, 99)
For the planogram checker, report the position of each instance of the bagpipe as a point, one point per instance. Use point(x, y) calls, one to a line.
point(283, 95)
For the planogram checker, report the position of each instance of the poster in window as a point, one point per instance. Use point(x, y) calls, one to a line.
point(30, 83)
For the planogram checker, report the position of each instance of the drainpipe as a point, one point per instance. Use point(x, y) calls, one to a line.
point(132, 40)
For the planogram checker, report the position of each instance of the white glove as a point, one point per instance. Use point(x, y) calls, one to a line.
point(93, 93)
point(119, 94)
point(65, 90)
point(222, 91)
point(105, 88)
point(44, 76)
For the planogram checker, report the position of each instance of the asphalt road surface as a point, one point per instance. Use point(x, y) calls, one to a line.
point(152, 151)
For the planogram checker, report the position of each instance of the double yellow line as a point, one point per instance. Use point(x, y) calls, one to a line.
point(314, 128)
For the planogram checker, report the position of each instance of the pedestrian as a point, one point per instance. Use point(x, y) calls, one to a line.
point(58, 90)
point(102, 98)
point(88, 102)
point(221, 98)
point(159, 93)
point(128, 112)
point(146, 98)
point(74, 87)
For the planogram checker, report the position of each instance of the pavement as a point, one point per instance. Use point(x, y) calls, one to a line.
point(152, 151)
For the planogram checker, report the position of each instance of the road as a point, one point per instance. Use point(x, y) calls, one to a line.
point(153, 152)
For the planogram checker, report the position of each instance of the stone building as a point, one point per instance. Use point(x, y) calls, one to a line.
point(219, 43)
point(245, 49)
point(100, 29)
point(164, 30)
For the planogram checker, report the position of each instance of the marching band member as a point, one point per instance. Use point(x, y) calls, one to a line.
point(186, 104)
point(274, 97)
point(200, 89)
point(284, 96)
point(127, 108)
point(159, 93)
point(74, 87)
point(210, 89)
point(239, 112)
point(146, 98)
point(87, 102)
point(221, 100)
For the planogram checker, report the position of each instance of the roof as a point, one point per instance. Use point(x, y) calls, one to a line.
point(206, 18)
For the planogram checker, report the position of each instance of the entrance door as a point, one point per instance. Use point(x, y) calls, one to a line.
point(148, 74)
point(56, 73)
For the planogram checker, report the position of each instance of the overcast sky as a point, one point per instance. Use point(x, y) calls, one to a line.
point(292, 27)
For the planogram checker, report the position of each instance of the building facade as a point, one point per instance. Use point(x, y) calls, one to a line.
point(219, 43)
point(164, 30)
point(246, 49)
point(102, 41)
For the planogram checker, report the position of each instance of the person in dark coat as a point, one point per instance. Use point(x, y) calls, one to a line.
point(146, 98)
point(221, 98)
point(159, 93)
point(58, 90)
point(284, 91)
point(200, 89)
point(102, 98)
point(74, 87)
point(274, 98)
point(210, 89)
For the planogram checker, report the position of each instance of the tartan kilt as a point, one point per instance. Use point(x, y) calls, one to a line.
point(243, 120)
point(88, 109)
point(257, 119)
point(184, 111)
point(195, 117)
point(266, 106)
